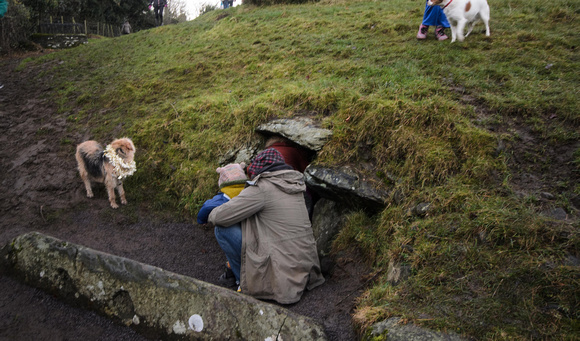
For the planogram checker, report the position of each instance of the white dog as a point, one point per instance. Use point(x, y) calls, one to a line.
point(464, 12)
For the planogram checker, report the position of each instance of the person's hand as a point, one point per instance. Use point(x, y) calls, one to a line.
point(149, 7)
point(165, 5)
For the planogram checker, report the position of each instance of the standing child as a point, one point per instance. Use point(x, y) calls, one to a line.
point(433, 16)
point(158, 6)
point(231, 182)
point(126, 28)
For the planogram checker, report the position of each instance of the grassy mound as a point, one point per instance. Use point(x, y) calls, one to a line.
point(486, 132)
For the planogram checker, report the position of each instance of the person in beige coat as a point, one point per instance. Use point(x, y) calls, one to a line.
point(279, 257)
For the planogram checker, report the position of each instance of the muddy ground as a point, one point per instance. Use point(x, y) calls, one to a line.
point(41, 191)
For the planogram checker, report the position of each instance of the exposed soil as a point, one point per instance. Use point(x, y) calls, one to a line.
point(539, 168)
point(41, 191)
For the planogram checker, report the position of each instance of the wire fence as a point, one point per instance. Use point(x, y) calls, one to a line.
point(16, 29)
point(70, 26)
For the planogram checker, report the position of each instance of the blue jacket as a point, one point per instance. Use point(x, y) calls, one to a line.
point(209, 205)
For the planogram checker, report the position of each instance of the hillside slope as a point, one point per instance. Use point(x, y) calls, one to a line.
point(486, 132)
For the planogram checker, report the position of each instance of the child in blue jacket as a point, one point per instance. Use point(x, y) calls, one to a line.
point(433, 16)
point(231, 182)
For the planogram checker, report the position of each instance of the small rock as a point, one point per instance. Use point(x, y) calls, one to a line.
point(500, 148)
point(422, 209)
point(548, 195)
point(557, 213)
point(482, 236)
point(397, 273)
point(572, 261)
point(399, 331)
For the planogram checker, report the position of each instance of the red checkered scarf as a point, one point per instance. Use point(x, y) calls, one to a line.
point(268, 160)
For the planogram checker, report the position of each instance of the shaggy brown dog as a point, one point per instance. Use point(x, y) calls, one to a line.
point(109, 166)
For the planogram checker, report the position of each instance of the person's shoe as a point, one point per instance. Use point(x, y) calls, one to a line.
point(239, 289)
point(227, 279)
point(422, 34)
point(440, 33)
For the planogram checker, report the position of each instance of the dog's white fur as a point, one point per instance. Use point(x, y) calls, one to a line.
point(463, 12)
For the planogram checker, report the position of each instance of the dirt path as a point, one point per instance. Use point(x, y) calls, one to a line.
point(41, 191)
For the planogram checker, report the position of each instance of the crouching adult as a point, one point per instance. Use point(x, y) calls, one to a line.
point(279, 257)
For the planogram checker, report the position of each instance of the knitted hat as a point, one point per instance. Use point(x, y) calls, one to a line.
point(265, 160)
point(231, 174)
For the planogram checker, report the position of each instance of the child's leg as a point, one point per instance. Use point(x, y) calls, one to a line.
point(427, 18)
point(230, 240)
point(434, 16)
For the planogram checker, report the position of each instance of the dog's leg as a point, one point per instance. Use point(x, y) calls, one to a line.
point(87, 182)
point(487, 33)
point(121, 191)
point(485, 18)
point(470, 27)
point(88, 188)
point(83, 173)
point(453, 32)
point(460, 29)
point(111, 184)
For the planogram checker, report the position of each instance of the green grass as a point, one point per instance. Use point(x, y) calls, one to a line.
point(485, 263)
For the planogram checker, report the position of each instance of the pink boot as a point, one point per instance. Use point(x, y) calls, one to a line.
point(422, 34)
point(440, 33)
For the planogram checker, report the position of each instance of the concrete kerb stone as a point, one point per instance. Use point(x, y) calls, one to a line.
point(159, 303)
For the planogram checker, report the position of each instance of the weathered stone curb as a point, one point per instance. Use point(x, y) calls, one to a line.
point(159, 303)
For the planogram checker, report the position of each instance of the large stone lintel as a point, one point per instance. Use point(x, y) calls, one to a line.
point(301, 130)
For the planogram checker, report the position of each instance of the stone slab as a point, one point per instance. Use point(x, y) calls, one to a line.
point(158, 303)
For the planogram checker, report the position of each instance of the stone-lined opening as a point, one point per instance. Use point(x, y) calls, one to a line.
point(335, 191)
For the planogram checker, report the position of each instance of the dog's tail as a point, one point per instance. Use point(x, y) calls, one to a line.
point(94, 162)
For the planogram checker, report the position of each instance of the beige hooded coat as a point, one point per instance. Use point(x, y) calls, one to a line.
point(279, 258)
